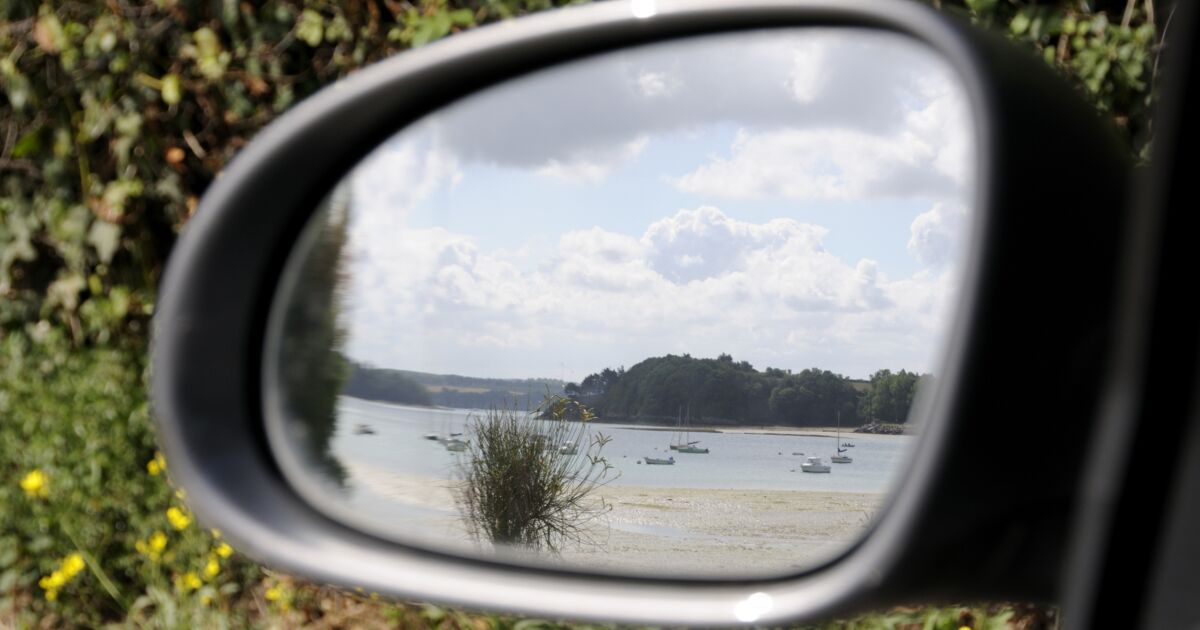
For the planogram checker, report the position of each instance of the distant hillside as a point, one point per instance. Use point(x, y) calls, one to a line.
point(447, 390)
point(723, 391)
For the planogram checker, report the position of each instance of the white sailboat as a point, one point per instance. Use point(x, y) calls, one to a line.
point(839, 458)
point(814, 465)
point(688, 445)
point(677, 435)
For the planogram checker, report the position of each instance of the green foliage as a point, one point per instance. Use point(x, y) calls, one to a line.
point(721, 391)
point(890, 395)
point(82, 477)
point(386, 385)
point(1111, 58)
point(312, 367)
point(114, 118)
point(447, 390)
point(528, 479)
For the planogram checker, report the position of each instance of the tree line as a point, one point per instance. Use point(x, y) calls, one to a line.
point(407, 387)
point(722, 391)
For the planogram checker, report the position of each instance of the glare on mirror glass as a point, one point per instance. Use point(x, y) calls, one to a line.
point(661, 311)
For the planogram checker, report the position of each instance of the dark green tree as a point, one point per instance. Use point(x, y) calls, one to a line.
point(314, 369)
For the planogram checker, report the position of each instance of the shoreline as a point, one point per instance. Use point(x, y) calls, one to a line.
point(786, 431)
point(780, 430)
point(647, 530)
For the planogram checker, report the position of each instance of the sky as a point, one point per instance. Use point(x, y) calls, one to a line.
point(795, 198)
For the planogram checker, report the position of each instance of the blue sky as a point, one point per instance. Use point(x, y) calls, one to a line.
point(797, 199)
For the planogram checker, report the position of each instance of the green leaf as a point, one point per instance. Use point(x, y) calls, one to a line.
point(170, 90)
point(49, 34)
point(211, 59)
point(463, 17)
point(310, 27)
point(1020, 22)
point(28, 144)
point(104, 237)
point(981, 6)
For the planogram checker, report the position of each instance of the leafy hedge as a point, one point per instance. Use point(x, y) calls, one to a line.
point(115, 117)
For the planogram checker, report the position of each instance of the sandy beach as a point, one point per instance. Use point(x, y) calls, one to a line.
point(654, 530)
point(749, 532)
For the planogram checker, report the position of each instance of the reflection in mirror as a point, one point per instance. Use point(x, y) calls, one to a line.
point(662, 311)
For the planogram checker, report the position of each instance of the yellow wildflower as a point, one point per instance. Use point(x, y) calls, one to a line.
point(212, 568)
point(179, 520)
point(53, 581)
point(206, 599)
point(224, 550)
point(36, 483)
point(72, 565)
point(191, 581)
point(67, 569)
point(279, 596)
point(157, 465)
point(152, 548)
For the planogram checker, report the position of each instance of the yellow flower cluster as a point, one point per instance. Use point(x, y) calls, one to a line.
point(190, 581)
point(67, 569)
point(212, 567)
point(153, 547)
point(178, 518)
point(156, 466)
point(36, 484)
point(280, 596)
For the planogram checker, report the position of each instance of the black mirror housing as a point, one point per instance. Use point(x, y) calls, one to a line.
point(1040, 297)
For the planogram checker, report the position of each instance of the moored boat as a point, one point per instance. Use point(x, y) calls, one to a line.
point(814, 465)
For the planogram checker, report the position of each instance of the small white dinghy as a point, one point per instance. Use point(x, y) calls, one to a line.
point(814, 465)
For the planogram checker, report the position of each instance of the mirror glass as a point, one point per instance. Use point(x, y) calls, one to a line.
point(670, 310)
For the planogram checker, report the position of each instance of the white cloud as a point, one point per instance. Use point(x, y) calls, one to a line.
point(930, 154)
point(592, 165)
point(821, 164)
point(809, 70)
point(812, 78)
point(657, 84)
point(935, 236)
point(696, 281)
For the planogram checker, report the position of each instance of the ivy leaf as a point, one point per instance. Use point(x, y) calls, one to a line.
point(28, 144)
point(310, 28)
point(1020, 23)
point(170, 89)
point(105, 237)
point(49, 35)
point(981, 6)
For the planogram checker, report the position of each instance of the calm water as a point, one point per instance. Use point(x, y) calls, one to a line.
point(740, 461)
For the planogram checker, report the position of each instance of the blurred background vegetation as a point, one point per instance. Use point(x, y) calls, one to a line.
point(114, 118)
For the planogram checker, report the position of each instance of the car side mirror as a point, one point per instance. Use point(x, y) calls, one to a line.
point(309, 265)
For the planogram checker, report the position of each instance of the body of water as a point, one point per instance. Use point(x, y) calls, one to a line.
point(735, 460)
